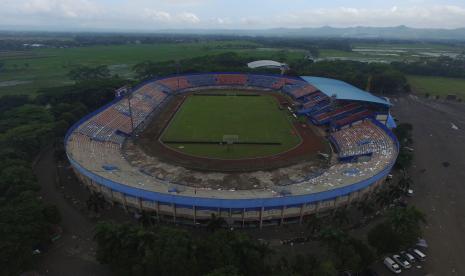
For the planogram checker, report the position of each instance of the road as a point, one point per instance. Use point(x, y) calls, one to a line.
point(438, 173)
point(74, 253)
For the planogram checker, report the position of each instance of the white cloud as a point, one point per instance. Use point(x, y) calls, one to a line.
point(166, 17)
point(188, 17)
point(138, 14)
point(59, 8)
point(421, 16)
point(155, 15)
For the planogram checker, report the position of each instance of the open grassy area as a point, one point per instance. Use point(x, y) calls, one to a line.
point(253, 118)
point(437, 86)
point(48, 67)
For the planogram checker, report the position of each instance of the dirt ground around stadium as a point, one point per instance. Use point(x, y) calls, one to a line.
point(438, 173)
point(312, 143)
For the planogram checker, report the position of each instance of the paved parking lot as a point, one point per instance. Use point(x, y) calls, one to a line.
point(439, 177)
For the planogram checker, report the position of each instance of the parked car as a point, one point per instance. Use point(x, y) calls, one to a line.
point(401, 261)
point(409, 149)
point(418, 254)
point(409, 257)
point(391, 265)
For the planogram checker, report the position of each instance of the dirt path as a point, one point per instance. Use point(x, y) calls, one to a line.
point(439, 174)
point(74, 253)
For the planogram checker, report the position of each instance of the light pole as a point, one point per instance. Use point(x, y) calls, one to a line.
point(128, 97)
point(178, 65)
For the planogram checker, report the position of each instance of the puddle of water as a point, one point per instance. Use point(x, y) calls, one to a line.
point(12, 83)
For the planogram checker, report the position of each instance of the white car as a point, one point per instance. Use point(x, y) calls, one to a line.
point(409, 257)
point(401, 261)
point(418, 254)
point(391, 265)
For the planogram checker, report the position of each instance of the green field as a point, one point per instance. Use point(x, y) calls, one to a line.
point(48, 67)
point(437, 86)
point(389, 52)
point(252, 118)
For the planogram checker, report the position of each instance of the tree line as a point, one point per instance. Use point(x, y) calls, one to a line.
point(382, 79)
point(27, 126)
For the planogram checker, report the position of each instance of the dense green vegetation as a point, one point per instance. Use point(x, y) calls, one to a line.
point(378, 78)
point(404, 135)
point(438, 86)
point(137, 250)
point(399, 231)
point(441, 67)
point(133, 250)
point(23, 69)
point(26, 127)
point(49, 67)
point(254, 119)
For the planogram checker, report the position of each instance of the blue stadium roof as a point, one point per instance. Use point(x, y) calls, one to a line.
point(343, 90)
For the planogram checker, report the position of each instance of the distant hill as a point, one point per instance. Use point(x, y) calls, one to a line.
point(399, 32)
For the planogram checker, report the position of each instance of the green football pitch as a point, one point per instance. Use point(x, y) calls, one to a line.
point(255, 124)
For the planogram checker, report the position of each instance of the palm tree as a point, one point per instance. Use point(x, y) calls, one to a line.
point(334, 238)
point(314, 224)
point(366, 206)
point(395, 192)
point(341, 216)
point(383, 198)
point(215, 223)
point(404, 219)
point(405, 182)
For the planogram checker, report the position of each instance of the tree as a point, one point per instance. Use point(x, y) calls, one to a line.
point(350, 253)
point(314, 224)
point(85, 73)
point(16, 179)
point(389, 82)
point(405, 182)
point(366, 206)
point(401, 229)
point(225, 271)
point(326, 268)
point(341, 217)
point(215, 223)
point(134, 250)
point(24, 226)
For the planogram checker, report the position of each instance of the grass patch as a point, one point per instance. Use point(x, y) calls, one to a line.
point(48, 67)
point(254, 119)
point(437, 86)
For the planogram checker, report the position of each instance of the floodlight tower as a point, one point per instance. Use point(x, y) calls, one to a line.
point(126, 92)
point(332, 107)
point(177, 64)
point(128, 97)
point(284, 68)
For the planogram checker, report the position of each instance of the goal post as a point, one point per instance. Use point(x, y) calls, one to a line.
point(230, 139)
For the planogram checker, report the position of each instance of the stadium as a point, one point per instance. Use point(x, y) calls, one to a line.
point(256, 150)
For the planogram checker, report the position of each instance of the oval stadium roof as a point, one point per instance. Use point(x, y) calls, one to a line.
point(265, 63)
point(343, 90)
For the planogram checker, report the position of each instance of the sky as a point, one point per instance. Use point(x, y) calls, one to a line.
point(232, 14)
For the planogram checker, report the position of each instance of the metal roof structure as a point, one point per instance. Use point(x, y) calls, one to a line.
point(343, 90)
point(266, 63)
